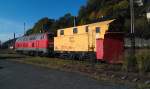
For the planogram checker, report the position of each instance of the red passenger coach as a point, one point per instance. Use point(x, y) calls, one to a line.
point(41, 44)
point(111, 48)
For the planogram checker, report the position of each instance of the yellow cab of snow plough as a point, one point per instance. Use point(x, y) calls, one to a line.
point(80, 38)
point(92, 38)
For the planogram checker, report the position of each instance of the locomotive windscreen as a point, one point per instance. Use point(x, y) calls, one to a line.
point(50, 36)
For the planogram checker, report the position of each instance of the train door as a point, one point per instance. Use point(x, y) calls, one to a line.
point(37, 45)
point(100, 49)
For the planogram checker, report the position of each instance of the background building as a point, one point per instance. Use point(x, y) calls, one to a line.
point(148, 14)
point(139, 2)
point(148, 10)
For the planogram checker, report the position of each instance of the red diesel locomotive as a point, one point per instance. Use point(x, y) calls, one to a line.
point(38, 44)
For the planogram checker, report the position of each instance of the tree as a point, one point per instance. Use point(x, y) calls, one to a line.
point(97, 10)
point(29, 31)
point(51, 25)
point(66, 21)
point(43, 25)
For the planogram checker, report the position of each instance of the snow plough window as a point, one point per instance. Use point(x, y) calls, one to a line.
point(87, 29)
point(75, 30)
point(62, 32)
point(97, 29)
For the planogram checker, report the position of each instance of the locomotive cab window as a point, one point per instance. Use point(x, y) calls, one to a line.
point(50, 36)
point(75, 30)
point(62, 32)
point(97, 29)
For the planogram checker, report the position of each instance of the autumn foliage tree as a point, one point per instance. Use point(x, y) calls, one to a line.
point(94, 11)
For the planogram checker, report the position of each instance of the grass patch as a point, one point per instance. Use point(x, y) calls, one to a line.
point(138, 63)
point(55, 63)
point(143, 86)
point(10, 56)
point(143, 59)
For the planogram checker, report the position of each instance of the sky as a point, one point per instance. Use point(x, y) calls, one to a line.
point(14, 13)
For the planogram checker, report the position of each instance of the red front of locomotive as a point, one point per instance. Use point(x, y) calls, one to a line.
point(35, 44)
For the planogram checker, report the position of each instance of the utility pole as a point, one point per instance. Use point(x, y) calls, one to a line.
point(74, 21)
point(132, 28)
point(24, 28)
point(14, 41)
point(0, 44)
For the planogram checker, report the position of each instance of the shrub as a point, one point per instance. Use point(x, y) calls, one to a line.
point(143, 59)
point(130, 63)
point(140, 62)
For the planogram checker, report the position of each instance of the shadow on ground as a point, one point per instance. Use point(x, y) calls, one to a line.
point(9, 54)
point(3, 58)
point(1, 67)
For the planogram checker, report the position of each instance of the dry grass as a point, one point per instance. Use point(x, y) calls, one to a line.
point(55, 63)
point(139, 63)
point(143, 86)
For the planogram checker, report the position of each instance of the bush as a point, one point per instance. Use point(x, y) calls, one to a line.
point(143, 59)
point(143, 86)
point(140, 62)
point(130, 63)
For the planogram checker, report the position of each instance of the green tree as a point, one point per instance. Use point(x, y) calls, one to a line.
point(66, 21)
point(43, 25)
point(95, 10)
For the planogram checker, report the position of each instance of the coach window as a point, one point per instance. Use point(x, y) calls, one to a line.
point(61, 32)
point(30, 38)
point(97, 29)
point(34, 38)
point(87, 29)
point(75, 30)
point(25, 39)
point(43, 36)
point(40, 37)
